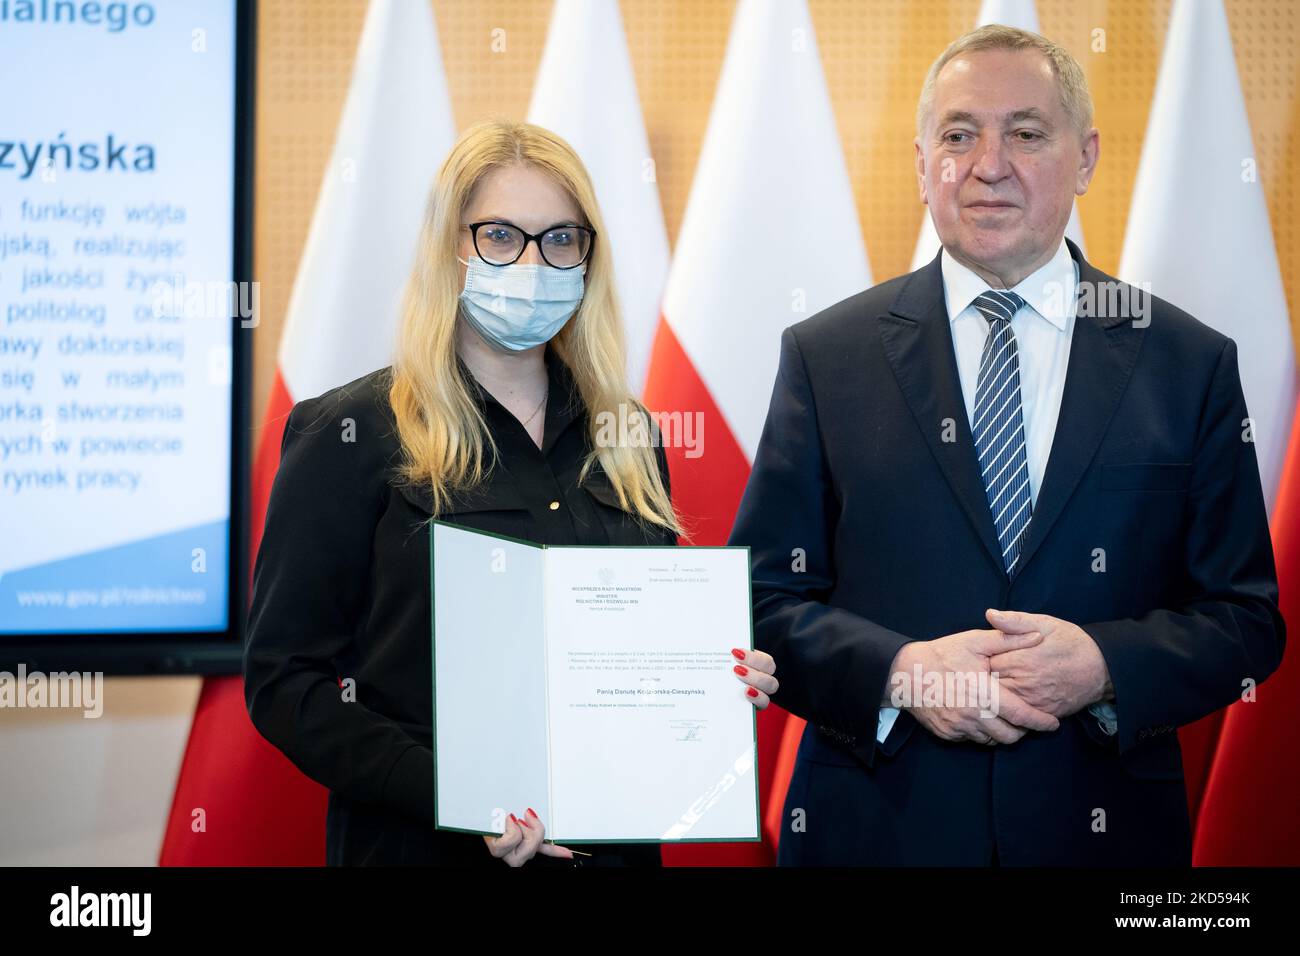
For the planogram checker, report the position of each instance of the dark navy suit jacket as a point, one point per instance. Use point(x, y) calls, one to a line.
point(1148, 463)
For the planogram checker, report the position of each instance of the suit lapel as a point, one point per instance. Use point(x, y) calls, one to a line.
point(918, 345)
point(1103, 354)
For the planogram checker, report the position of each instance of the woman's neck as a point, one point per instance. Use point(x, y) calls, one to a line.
point(517, 380)
point(509, 376)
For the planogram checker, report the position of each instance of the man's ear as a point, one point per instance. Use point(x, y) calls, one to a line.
point(1088, 157)
point(920, 170)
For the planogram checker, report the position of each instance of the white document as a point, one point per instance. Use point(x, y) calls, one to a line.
point(594, 685)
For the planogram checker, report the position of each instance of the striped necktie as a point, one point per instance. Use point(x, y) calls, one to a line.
point(999, 425)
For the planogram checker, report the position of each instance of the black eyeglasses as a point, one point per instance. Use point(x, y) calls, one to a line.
point(502, 243)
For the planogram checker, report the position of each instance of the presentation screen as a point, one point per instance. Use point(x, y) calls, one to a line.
point(124, 314)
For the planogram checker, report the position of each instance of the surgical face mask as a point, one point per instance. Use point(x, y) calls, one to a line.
point(519, 306)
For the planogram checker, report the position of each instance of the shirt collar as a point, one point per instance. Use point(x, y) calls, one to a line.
point(1045, 290)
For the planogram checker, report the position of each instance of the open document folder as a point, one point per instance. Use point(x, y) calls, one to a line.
point(594, 685)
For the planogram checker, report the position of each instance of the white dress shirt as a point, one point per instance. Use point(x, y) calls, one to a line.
point(1044, 328)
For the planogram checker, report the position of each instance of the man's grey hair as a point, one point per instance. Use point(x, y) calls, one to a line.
point(1069, 75)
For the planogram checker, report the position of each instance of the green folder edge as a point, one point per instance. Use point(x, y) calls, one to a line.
point(433, 641)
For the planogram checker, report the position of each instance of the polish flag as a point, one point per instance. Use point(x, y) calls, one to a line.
point(1012, 13)
point(586, 92)
point(1248, 814)
point(1198, 233)
point(395, 130)
point(770, 237)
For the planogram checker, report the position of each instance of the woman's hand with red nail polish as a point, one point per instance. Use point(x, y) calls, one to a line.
point(757, 671)
point(522, 839)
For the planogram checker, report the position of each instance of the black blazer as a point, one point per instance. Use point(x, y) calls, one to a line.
point(341, 590)
point(1147, 463)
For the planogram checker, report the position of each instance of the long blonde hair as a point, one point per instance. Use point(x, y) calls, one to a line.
point(445, 441)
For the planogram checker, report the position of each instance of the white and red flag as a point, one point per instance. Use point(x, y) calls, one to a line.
point(770, 236)
point(1198, 234)
point(586, 92)
point(395, 130)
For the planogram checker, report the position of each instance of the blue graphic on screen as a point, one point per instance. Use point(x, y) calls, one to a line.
point(116, 233)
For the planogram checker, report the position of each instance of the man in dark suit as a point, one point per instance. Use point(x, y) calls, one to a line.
point(1009, 473)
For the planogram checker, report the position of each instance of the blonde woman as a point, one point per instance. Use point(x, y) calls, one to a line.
point(510, 344)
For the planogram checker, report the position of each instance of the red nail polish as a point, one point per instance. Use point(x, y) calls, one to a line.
point(742, 671)
point(512, 817)
point(737, 653)
point(751, 692)
point(533, 812)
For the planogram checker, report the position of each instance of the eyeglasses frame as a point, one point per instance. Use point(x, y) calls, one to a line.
point(474, 227)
